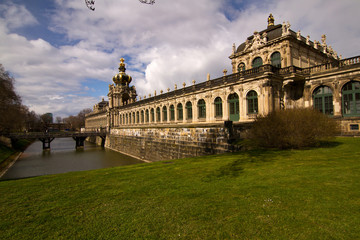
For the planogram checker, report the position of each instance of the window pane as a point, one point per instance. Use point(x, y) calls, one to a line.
point(257, 62)
point(276, 59)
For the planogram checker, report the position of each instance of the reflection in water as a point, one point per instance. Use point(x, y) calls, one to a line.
point(63, 157)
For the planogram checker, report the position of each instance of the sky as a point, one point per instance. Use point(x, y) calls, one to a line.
point(63, 55)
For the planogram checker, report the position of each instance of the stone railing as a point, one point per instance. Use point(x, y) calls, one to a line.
point(332, 65)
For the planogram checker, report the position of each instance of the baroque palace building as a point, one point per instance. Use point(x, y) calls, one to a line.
point(274, 69)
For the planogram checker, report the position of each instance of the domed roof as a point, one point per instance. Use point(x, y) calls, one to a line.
point(122, 78)
point(273, 32)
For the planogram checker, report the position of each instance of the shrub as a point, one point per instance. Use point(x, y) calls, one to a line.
point(292, 128)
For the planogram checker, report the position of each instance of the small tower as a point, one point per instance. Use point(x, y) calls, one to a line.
point(122, 78)
point(121, 93)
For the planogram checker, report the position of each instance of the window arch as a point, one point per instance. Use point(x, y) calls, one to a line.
point(241, 67)
point(164, 110)
point(218, 107)
point(252, 102)
point(158, 115)
point(351, 99)
point(172, 113)
point(257, 62)
point(133, 118)
point(201, 108)
point(323, 100)
point(276, 59)
point(179, 112)
point(147, 115)
point(142, 116)
point(234, 112)
point(152, 114)
point(137, 117)
point(188, 110)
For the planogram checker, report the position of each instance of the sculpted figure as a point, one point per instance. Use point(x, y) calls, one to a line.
point(323, 39)
point(264, 37)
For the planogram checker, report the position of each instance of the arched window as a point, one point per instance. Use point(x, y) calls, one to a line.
point(127, 119)
point(323, 100)
point(257, 62)
point(252, 102)
point(180, 112)
point(152, 113)
point(172, 113)
point(188, 110)
point(241, 67)
point(218, 107)
point(276, 59)
point(351, 99)
point(233, 101)
point(158, 115)
point(121, 120)
point(164, 110)
point(137, 117)
point(201, 108)
point(142, 116)
point(133, 118)
point(147, 115)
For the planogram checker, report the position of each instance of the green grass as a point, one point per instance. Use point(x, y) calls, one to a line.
point(293, 194)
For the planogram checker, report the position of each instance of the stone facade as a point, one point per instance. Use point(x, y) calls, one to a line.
point(273, 69)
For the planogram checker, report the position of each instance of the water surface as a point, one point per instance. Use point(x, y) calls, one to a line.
point(63, 157)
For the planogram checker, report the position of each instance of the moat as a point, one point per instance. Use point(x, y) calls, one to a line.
point(63, 157)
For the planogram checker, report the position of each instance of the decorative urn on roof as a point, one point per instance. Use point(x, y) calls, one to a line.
point(122, 78)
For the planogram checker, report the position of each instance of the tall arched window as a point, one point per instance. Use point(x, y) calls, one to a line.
point(147, 115)
point(276, 59)
point(133, 118)
point(188, 110)
point(323, 100)
point(218, 107)
point(241, 67)
point(179, 112)
point(252, 102)
point(351, 99)
point(172, 113)
point(201, 108)
point(152, 115)
point(164, 110)
point(158, 115)
point(137, 117)
point(257, 62)
point(142, 116)
point(234, 112)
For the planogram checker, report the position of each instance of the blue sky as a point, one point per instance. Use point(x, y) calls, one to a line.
point(63, 55)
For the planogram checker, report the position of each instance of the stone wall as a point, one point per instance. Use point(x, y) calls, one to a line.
point(163, 143)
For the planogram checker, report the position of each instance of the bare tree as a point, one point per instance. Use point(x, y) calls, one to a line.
point(11, 110)
point(78, 121)
point(58, 119)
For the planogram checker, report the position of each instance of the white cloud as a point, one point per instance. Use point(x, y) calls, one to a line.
point(16, 16)
point(167, 43)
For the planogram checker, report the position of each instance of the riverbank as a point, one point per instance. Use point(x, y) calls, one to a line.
point(8, 156)
point(302, 194)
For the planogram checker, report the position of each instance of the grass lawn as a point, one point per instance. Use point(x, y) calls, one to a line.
point(293, 194)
